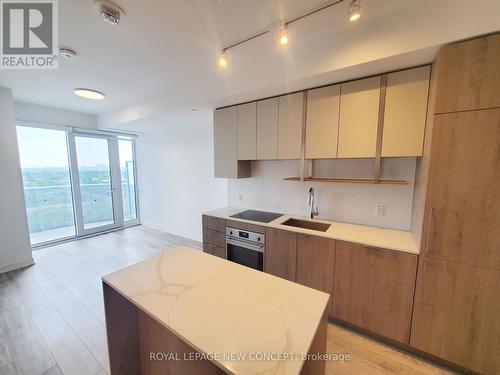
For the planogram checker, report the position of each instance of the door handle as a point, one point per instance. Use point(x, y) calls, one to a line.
point(429, 231)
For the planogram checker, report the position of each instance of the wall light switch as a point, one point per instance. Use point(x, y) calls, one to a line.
point(379, 210)
point(240, 197)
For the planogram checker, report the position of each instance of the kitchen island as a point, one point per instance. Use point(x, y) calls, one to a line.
point(187, 312)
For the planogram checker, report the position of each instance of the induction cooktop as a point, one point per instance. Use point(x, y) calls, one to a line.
point(260, 216)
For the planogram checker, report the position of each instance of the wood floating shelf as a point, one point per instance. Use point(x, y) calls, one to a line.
point(349, 180)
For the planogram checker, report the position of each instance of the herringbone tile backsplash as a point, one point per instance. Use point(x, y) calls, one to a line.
point(353, 203)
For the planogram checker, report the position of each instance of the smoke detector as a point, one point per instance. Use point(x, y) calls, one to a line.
point(68, 53)
point(109, 11)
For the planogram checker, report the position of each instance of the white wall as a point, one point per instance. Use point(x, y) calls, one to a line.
point(55, 116)
point(175, 170)
point(352, 203)
point(15, 250)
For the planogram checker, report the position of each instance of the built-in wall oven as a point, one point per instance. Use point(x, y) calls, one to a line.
point(245, 247)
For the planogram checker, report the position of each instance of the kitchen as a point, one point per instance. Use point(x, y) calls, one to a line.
point(321, 198)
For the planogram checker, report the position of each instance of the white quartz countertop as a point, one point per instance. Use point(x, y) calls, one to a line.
point(217, 306)
point(391, 239)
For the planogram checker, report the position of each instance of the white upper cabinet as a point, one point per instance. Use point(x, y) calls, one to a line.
point(247, 131)
point(322, 122)
point(359, 113)
point(267, 129)
point(405, 112)
point(226, 162)
point(290, 126)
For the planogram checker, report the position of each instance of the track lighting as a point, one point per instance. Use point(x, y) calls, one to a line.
point(354, 10)
point(222, 60)
point(284, 34)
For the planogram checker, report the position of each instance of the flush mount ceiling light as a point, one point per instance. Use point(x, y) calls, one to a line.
point(354, 10)
point(89, 94)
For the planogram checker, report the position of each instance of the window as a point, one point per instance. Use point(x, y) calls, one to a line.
point(47, 183)
point(76, 182)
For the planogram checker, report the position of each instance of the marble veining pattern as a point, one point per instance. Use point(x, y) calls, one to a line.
point(218, 306)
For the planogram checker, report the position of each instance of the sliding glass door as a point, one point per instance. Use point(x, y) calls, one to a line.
point(76, 183)
point(96, 182)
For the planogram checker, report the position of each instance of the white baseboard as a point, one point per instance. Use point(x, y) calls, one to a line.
point(16, 265)
point(167, 230)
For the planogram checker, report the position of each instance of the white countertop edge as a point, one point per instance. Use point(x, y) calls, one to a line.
point(220, 365)
point(410, 246)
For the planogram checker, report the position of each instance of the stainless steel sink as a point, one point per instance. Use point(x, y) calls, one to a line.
point(307, 224)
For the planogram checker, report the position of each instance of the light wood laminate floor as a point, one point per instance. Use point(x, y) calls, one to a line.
point(52, 314)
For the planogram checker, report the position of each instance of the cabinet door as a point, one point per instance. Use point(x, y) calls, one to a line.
point(456, 315)
point(226, 164)
point(469, 75)
point(405, 112)
point(247, 131)
point(218, 251)
point(315, 258)
point(359, 109)
point(226, 142)
point(462, 221)
point(267, 129)
point(373, 289)
point(290, 126)
point(322, 124)
point(281, 253)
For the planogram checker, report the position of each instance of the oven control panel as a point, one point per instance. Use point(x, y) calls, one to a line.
point(245, 235)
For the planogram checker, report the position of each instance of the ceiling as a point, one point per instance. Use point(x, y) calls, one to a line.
point(162, 56)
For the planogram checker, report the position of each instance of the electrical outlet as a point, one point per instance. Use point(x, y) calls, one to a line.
point(379, 210)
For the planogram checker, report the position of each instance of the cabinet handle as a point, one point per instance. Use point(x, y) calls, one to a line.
point(429, 231)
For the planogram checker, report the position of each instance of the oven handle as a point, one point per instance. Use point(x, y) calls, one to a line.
point(246, 245)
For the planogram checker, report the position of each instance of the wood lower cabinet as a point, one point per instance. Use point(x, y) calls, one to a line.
point(281, 253)
point(218, 251)
point(373, 289)
point(214, 236)
point(456, 314)
point(462, 221)
point(315, 263)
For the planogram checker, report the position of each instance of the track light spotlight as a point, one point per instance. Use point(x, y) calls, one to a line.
point(222, 60)
point(354, 10)
point(284, 34)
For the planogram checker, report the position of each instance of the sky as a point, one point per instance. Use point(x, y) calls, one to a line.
point(40, 148)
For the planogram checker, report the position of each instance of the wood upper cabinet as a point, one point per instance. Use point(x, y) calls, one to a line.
point(373, 289)
point(359, 113)
point(267, 129)
point(281, 253)
point(290, 126)
point(226, 162)
point(322, 123)
point(247, 131)
point(405, 112)
point(469, 75)
point(456, 314)
point(462, 220)
point(315, 263)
